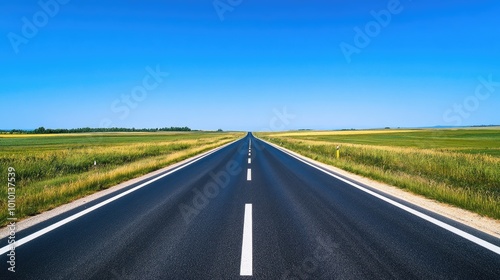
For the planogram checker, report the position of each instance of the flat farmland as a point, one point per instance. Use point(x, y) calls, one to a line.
point(460, 167)
point(54, 169)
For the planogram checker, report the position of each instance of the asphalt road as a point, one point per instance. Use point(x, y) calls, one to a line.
point(249, 210)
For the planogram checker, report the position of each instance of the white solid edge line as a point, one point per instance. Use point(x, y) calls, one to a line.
point(249, 174)
point(43, 231)
point(246, 265)
point(459, 232)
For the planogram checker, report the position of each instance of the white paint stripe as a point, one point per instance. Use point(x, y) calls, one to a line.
point(459, 232)
point(43, 231)
point(249, 174)
point(246, 267)
point(249, 160)
point(249, 154)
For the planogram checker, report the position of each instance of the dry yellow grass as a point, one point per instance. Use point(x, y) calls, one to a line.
point(87, 183)
point(459, 167)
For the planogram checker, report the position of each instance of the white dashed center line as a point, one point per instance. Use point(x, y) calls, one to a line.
point(246, 267)
point(249, 174)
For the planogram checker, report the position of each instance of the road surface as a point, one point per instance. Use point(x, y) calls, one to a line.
point(251, 211)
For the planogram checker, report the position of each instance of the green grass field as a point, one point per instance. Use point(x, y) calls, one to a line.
point(460, 167)
point(55, 169)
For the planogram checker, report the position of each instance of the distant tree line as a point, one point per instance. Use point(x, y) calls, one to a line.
point(43, 130)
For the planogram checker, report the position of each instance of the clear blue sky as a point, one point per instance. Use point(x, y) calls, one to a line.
point(255, 65)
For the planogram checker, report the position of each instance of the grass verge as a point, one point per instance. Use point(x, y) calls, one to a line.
point(442, 165)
